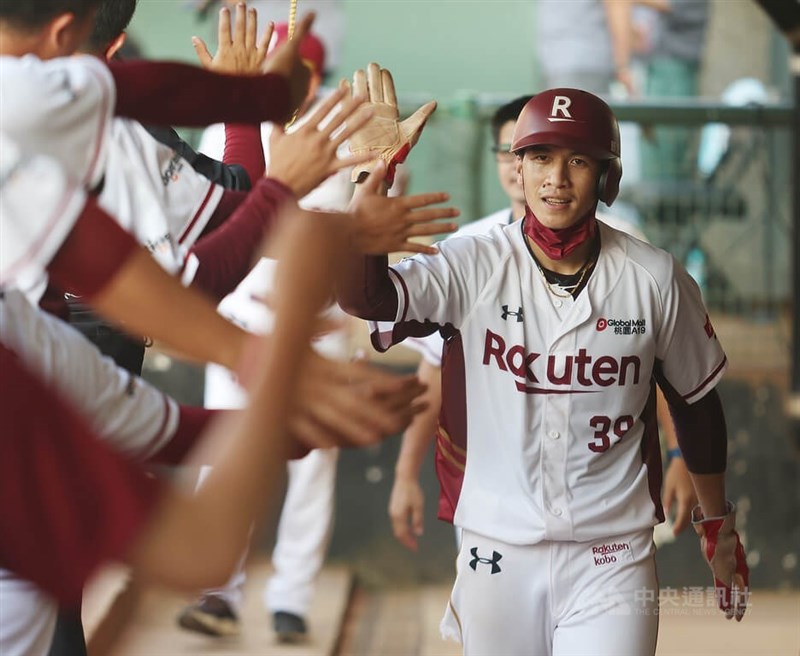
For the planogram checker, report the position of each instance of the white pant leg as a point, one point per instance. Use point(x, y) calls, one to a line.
point(607, 598)
point(303, 532)
point(27, 617)
point(500, 600)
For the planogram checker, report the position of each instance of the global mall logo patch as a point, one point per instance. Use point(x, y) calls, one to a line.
point(622, 326)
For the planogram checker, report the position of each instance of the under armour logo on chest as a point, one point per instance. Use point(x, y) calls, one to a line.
point(507, 313)
point(486, 561)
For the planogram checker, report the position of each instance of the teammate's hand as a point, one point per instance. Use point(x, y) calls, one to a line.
point(678, 490)
point(285, 60)
point(305, 156)
point(387, 225)
point(724, 553)
point(239, 52)
point(406, 506)
point(352, 403)
point(385, 136)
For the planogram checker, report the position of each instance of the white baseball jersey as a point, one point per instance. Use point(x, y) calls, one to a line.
point(156, 196)
point(61, 108)
point(548, 427)
point(430, 347)
point(39, 205)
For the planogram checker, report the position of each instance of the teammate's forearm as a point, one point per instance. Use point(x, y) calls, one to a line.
point(166, 93)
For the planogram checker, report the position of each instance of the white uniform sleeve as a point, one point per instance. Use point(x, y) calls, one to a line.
point(135, 417)
point(439, 288)
point(39, 205)
point(692, 357)
point(61, 108)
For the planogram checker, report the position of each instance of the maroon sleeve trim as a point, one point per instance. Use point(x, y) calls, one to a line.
point(697, 390)
point(404, 287)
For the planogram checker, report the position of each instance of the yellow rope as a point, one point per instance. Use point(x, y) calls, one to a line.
point(292, 17)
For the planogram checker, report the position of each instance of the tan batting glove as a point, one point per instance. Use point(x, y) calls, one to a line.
point(385, 135)
point(724, 553)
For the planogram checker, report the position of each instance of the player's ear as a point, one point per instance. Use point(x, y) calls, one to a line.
point(115, 46)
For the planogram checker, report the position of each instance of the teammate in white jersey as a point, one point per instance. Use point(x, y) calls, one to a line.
point(555, 329)
point(406, 502)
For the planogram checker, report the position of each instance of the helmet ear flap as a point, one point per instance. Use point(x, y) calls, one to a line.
point(608, 182)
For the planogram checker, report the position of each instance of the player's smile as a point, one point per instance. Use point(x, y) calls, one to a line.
point(560, 184)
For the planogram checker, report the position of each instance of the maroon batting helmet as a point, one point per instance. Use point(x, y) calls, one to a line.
point(571, 118)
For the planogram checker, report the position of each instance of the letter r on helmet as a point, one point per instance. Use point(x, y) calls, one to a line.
point(561, 106)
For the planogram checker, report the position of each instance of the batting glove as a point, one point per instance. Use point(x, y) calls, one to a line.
point(724, 553)
point(384, 135)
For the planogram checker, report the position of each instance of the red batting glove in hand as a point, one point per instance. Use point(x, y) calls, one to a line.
point(724, 552)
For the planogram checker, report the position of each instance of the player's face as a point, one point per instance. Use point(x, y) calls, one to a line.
point(507, 165)
point(560, 184)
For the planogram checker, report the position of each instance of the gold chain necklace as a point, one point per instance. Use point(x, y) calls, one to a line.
point(569, 289)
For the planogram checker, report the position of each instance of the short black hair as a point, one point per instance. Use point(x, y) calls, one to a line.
point(505, 113)
point(113, 18)
point(33, 14)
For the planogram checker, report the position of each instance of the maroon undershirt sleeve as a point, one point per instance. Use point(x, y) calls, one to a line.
point(226, 255)
point(95, 250)
point(243, 146)
point(700, 428)
point(366, 291)
point(167, 93)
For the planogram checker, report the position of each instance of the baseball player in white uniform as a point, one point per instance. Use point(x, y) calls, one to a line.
point(547, 452)
point(306, 518)
point(406, 502)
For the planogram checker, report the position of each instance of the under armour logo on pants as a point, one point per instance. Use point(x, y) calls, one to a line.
point(486, 561)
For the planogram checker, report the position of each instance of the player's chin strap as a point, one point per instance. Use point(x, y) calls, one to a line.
point(725, 555)
point(557, 244)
